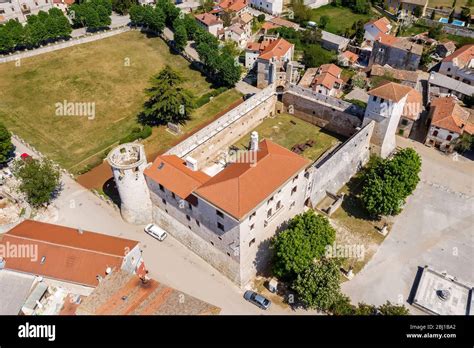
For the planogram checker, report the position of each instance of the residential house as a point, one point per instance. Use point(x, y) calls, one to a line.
point(122, 293)
point(20, 11)
point(406, 7)
point(237, 33)
point(210, 22)
point(237, 208)
point(347, 58)
point(271, 57)
point(460, 65)
point(411, 113)
point(448, 122)
point(333, 42)
point(63, 4)
point(398, 52)
point(445, 49)
point(70, 255)
point(328, 80)
point(273, 7)
point(440, 85)
point(405, 77)
point(236, 7)
point(374, 28)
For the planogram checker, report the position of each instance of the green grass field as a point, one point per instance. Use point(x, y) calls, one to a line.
point(447, 3)
point(287, 131)
point(112, 73)
point(340, 18)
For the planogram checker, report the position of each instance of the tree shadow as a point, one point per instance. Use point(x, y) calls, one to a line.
point(352, 204)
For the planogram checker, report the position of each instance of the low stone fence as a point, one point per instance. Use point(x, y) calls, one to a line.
point(221, 123)
point(449, 28)
point(88, 37)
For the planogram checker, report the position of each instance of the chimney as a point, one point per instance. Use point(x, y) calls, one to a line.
point(254, 141)
point(191, 163)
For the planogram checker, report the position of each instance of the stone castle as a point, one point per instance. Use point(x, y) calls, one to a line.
point(226, 209)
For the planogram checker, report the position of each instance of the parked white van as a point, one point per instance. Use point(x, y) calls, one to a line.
point(156, 232)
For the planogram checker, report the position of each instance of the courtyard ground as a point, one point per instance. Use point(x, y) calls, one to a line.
point(112, 73)
point(287, 131)
point(435, 228)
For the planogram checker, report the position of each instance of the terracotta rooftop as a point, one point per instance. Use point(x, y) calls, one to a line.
point(402, 75)
point(402, 43)
point(233, 5)
point(352, 57)
point(246, 17)
point(328, 75)
point(64, 253)
point(284, 23)
point(208, 19)
point(447, 114)
point(240, 187)
point(391, 91)
point(122, 293)
point(462, 56)
point(275, 49)
point(269, 26)
point(172, 172)
point(382, 24)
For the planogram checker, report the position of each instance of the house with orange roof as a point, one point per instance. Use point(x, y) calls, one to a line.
point(271, 57)
point(236, 7)
point(374, 28)
point(460, 65)
point(398, 52)
point(327, 80)
point(210, 23)
point(386, 106)
point(448, 122)
point(234, 210)
point(406, 7)
point(347, 58)
point(68, 255)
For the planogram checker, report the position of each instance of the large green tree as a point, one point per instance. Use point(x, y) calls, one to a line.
point(301, 243)
point(6, 146)
point(168, 100)
point(180, 37)
point(122, 6)
point(318, 285)
point(388, 182)
point(39, 180)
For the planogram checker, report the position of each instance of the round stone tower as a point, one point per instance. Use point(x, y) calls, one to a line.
point(128, 161)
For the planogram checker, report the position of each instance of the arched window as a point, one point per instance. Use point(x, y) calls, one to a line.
point(449, 137)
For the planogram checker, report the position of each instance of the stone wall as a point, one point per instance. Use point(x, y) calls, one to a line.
point(210, 131)
point(395, 57)
point(334, 169)
point(201, 247)
point(331, 114)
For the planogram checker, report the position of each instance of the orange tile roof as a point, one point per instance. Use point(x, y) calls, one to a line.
point(391, 91)
point(382, 24)
point(172, 172)
point(386, 39)
point(68, 255)
point(352, 57)
point(413, 105)
point(462, 56)
point(208, 19)
point(240, 187)
point(284, 23)
point(121, 293)
point(447, 114)
point(233, 5)
point(327, 75)
point(246, 17)
point(275, 49)
point(269, 26)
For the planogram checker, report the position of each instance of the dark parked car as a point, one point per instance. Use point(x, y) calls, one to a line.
point(257, 299)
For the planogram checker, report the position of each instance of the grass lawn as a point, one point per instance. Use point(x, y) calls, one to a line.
point(447, 3)
point(161, 139)
point(340, 18)
point(287, 131)
point(97, 73)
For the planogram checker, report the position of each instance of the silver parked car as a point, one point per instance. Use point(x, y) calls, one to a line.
point(257, 299)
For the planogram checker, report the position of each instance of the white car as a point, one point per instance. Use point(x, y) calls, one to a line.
point(156, 232)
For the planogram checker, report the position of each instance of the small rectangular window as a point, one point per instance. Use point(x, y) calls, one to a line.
point(220, 226)
point(161, 187)
point(293, 190)
point(198, 223)
point(164, 201)
point(188, 218)
point(252, 226)
point(251, 242)
point(173, 195)
point(219, 213)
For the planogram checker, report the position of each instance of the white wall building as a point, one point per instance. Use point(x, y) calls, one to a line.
point(460, 65)
point(273, 7)
point(20, 10)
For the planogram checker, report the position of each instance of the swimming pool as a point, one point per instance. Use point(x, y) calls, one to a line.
point(457, 22)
